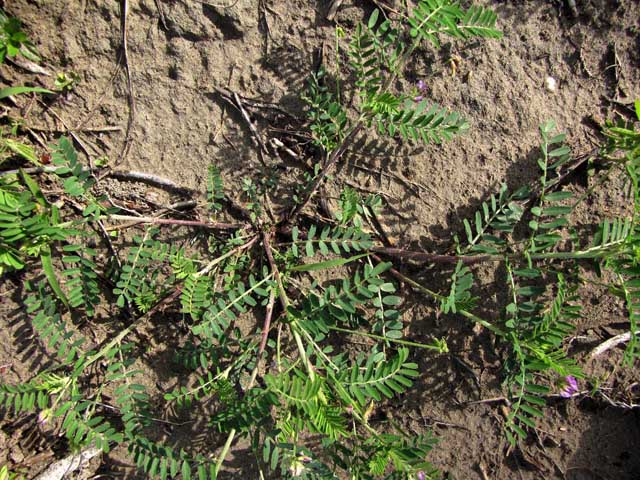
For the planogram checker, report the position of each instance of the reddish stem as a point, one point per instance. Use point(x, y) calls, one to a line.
point(430, 257)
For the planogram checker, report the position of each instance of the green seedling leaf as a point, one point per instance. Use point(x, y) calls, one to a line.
point(373, 19)
point(7, 92)
point(25, 151)
point(47, 266)
point(34, 188)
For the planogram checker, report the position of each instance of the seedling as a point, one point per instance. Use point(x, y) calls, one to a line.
point(13, 40)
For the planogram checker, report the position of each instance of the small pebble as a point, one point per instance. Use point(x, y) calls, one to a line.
point(551, 84)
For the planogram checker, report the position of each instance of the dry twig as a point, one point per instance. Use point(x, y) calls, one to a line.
point(62, 468)
point(148, 178)
point(611, 343)
point(173, 221)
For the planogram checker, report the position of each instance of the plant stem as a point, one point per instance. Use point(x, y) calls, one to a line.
point(437, 296)
point(173, 221)
point(265, 335)
point(225, 451)
point(435, 258)
point(118, 338)
point(333, 158)
point(230, 253)
point(285, 304)
point(386, 339)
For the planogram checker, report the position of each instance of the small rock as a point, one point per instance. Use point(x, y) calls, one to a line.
point(551, 84)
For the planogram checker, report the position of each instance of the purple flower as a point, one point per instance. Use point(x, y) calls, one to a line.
point(570, 388)
point(420, 475)
point(420, 91)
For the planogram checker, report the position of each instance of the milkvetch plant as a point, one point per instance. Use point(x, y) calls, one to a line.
point(269, 303)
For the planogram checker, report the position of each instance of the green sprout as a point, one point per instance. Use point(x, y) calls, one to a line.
point(13, 40)
point(65, 82)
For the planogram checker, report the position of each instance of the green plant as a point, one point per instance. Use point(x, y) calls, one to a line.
point(13, 40)
point(542, 276)
point(617, 241)
point(291, 384)
point(306, 387)
point(5, 474)
point(65, 82)
point(9, 145)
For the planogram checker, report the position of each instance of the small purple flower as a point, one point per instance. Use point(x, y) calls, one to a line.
point(421, 90)
point(570, 388)
point(421, 475)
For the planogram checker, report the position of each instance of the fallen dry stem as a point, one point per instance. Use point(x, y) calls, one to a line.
point(335, 156)
point(265, 335)
point(173, 221)
point(611, 343)
point(148, 178)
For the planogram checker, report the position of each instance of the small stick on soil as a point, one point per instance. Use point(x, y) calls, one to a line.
point(262, 149)
point(71, 132)
point(175, 207)
point(227, 95)
point(611, 343)
point(413, 186)
point(37, 138)
point(469, 370)
point(333, 9)
point(148, 178)
point(84, 130)
point(616, 403)
point(483, 471)
point(489, 400)
point(124, 11)
point(61, 468)
point(173, 221)
point(163, 20)
point(28, 65)
point(262, 18)
point(430, 421)
point(275, 143)
point(335, 156)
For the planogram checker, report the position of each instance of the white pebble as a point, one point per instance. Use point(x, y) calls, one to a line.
point(551, 84)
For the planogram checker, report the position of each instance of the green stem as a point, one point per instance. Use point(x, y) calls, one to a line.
point(284, 300)
point(225, 451)
point(437, 296)
point(386, 339)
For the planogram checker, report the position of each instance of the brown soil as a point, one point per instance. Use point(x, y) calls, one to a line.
point(180, 51)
